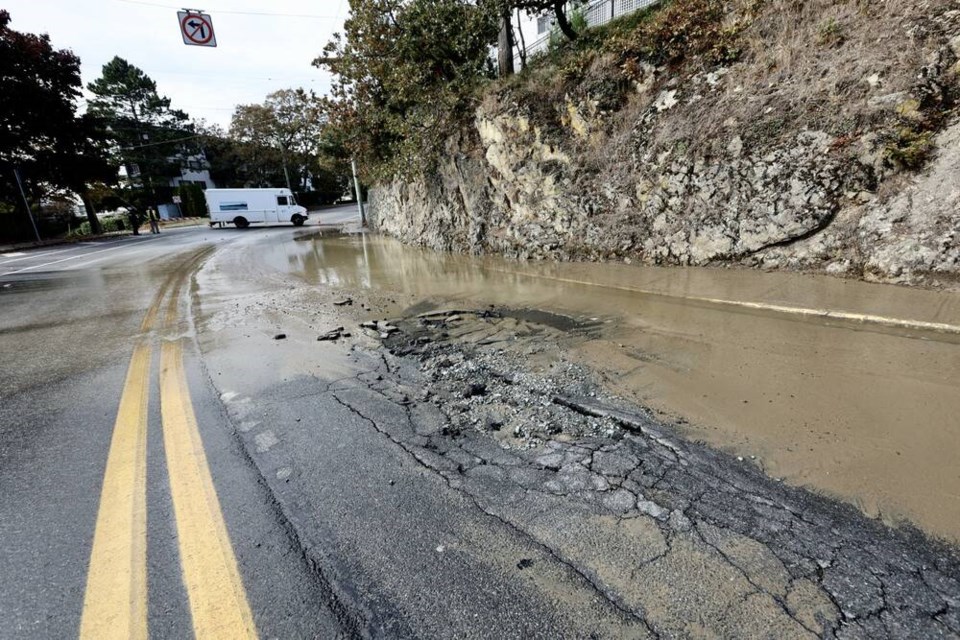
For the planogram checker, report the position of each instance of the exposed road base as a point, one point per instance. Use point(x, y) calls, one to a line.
point(683, 537)
point(538, 505)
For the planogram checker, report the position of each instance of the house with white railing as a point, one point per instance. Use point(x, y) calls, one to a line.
point(532, 33)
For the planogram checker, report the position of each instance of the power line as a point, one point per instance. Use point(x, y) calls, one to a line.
point(154, 144)
point(239, 13)
point(240, 76)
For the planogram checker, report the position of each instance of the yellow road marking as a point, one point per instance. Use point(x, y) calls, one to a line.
point(115, 601)
point(218, 602)
point(151, 316)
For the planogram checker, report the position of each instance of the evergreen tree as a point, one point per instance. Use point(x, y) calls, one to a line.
point(149, 136)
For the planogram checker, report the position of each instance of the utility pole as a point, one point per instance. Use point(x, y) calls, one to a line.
point(356, 187)
point(142, 137)
point(23, 195)
point(283, 158)
point(505, 44)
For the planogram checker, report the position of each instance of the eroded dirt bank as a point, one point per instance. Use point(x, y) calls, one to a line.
point(500, 403)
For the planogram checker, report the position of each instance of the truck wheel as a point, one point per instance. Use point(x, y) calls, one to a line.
point(297, 221)
point(241, 222)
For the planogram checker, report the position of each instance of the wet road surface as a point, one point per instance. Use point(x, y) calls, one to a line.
point(843, 386)
point(82, 451)
point(333, 528)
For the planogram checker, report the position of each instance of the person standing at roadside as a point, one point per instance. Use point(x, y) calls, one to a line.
point(135, 220)
point(154, 220)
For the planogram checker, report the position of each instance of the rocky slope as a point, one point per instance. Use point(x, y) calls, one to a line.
point(829, 141)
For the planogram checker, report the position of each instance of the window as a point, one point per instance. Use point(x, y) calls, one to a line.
point(543, 24)
point(282, 200)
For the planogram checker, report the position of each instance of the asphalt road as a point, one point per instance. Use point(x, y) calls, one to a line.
point(131, 507)
point(71, 319)
point(170, 466)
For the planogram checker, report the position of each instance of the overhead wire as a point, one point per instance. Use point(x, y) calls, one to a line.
point(154, 144)
point(229, 12)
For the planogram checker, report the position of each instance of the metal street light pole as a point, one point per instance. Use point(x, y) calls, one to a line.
point(23, 195)
point(356, 187)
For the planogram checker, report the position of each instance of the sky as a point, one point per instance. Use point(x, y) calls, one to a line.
point(255, 54)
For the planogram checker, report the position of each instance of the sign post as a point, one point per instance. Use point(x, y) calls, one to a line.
point(196, 28)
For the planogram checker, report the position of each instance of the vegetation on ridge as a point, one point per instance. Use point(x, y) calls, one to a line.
point(409, 82)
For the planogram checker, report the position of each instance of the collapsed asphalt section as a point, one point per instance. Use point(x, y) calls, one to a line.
point(670, 537)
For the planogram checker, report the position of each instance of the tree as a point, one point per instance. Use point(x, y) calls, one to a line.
point(222, 155)
point(289, 121)
point(289, 131)
point(557, 7)
point(40, 131)
point(192, 202)
point(148, 135)
point(406, 74)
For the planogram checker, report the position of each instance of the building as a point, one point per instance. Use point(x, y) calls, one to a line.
point(194, 169)
point(533, 33)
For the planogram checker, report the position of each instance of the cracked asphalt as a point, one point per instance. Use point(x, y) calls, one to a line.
point(643, 532)
point(684, 538)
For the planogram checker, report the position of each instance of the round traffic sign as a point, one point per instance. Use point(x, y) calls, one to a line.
point(196, 28)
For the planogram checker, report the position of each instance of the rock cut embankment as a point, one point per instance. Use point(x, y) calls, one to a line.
point(829, 142)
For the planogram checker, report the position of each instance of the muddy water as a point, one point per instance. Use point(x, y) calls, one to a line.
point(850, 388)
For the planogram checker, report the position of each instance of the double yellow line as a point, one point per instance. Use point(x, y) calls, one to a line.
point(115, 601)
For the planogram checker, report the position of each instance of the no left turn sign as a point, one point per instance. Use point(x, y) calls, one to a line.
point(197, 29)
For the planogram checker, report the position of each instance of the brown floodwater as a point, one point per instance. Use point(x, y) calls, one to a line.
point(846, 387)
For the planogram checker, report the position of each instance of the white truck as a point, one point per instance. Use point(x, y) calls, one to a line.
point(243, 207)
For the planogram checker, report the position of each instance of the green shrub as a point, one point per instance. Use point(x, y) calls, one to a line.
point(111, 224)
point(192, 202)
point(830, 33)
point(909, 148)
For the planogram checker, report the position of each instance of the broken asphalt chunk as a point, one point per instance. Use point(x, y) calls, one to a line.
point(332, 335)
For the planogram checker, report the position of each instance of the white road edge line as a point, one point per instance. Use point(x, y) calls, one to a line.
point(89, 262)
point(82, 255)
point(79, 245)
point(81, 265)
point(849, 316)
